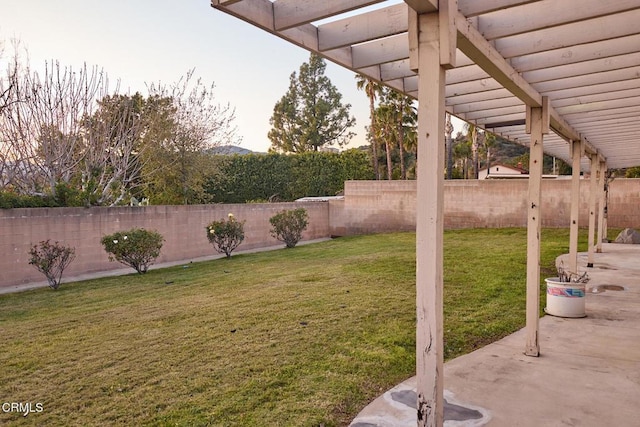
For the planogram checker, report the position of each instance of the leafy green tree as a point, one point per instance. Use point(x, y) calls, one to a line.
point(632, 172)
point(311, 114)
point(197, 123)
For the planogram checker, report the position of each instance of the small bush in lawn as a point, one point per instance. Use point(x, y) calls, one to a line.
point(226, 235)
point(51, 260)
point(287, 226)
point(138, 248)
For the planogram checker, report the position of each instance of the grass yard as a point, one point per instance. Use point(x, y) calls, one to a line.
point(296, 337)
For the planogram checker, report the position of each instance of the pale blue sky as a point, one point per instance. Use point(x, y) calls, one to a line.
point(140, 41)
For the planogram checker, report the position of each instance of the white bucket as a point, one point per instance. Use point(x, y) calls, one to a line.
point(565, 299)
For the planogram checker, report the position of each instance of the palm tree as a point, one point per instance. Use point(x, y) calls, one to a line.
point(489, 143)
point(461, 153)
point(386, 130)
point(407, 121)
point(472, 137)
point(396, 119)
point(372, 89)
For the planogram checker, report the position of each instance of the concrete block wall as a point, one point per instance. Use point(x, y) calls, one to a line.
point(379, 206)
point(368, 207)
point(503, 203)
point(624, 203)
point(183, 228)
point(374, 207)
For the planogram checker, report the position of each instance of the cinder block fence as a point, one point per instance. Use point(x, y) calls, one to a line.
point(183, 228)
point(368, 207)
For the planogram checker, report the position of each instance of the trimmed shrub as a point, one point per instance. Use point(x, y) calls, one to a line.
point(51, 260)
point(137, 248)
point(287, 226)
point(226, 235)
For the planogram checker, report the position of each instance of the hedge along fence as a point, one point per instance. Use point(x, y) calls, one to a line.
point(181, 226)
point(285, 177)
point(245, 178)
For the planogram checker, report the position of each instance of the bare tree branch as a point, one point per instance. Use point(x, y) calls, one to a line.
point(54, 132)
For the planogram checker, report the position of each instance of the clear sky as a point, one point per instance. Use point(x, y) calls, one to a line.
point(146, 41)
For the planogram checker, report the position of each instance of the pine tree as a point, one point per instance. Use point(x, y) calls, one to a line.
point(311, 114)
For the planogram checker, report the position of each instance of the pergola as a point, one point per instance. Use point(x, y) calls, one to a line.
point(560, 76)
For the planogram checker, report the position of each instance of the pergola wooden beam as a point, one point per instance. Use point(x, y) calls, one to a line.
point(629, 92)
point(228, 2)
point(479, 96)
point(389, 49)
point(423, 6)
point(470, 107)
point(398, 69)
point(547, 14)
point(575, 70)
point(573, 34)
point(576, 54)
point(261, 14)
point(480, 51)
point(292, 13)
point(472, 8)
point(361, 28)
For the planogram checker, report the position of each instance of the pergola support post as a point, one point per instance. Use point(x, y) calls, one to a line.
point(537, 124)
point(593, 193)
point(576, 148)
point(601, 203)
point(425, 34)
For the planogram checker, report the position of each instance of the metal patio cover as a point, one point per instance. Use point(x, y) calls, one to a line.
point(583, 55)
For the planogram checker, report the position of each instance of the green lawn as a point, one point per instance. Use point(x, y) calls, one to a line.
point(297, 337)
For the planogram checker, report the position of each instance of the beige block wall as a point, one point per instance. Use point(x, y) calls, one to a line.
point(624, 203)
point(374, 207)
point(368, 207)
point(183, 228)
point(379, 206)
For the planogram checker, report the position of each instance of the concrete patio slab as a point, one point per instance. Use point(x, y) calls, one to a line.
point(588, 373)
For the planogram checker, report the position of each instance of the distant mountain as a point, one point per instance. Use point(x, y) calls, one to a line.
point(228, 150)
point(507, 152)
